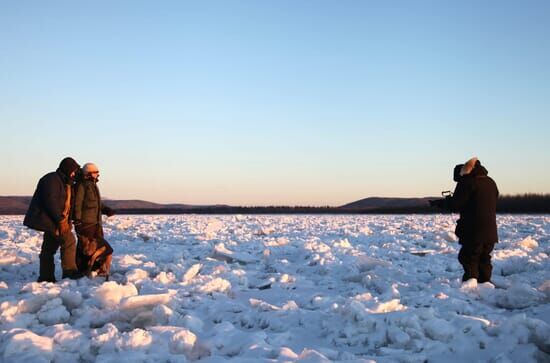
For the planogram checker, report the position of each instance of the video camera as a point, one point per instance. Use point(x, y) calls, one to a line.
point(440, 203)
point(447, 194)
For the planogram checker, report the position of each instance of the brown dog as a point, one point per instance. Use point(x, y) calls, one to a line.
point(95, 254)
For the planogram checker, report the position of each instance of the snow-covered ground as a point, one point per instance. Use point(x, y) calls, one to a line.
point(278, 289)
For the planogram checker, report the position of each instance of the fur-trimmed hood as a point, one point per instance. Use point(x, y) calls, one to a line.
point(473, 167)
point(468, 166)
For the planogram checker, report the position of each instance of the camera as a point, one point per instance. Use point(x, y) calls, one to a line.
point(440, 203)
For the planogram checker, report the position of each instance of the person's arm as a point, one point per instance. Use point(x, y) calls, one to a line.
point(78, 202)
point(460, 196)
point(50, 198)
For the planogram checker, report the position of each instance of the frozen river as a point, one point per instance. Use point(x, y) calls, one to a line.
point(281, 289)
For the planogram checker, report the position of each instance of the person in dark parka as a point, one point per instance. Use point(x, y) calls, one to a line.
point(93, 251)
point(475, 198)
point(49, 212)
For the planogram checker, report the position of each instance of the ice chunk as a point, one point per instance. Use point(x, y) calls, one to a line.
point(183, 342)
point(223, 254)
point(70, 340)
point(25, 346)
point(192, 272)
point(110, 293)
point(137, 339)
point(165, 278)
point(366, 263)
point(193, 323)
point(128, 261)
point(53, 312)
point(71, 299)
point(529, 243)
point(343, 244)
point(287, 354)
point(365, 230)
point(312, 356)
point(262, 305)
point(469, 285)
point(519, 296)
point(439, 329)
point(545, 289)
point(161, 314)
point(213, 227)
point(386, 307)
point(137, 276)
point(216, 285)
point(144, 301)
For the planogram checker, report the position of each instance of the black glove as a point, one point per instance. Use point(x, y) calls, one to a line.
point(108, 211)
point(438, 203)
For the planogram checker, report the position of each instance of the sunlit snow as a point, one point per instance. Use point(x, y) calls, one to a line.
point(281, 289)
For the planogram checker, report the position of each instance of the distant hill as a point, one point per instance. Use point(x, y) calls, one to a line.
point(527, 203)
point(388, 203)
point(142, 204)
point(19, 205)
point(14, 205)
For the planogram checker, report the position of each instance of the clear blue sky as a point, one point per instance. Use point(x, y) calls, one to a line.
point(275, 102)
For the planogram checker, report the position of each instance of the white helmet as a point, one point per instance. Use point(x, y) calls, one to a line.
point(89, 168)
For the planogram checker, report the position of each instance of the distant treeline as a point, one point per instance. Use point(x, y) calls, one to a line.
point(278, 210)
point(526, 203)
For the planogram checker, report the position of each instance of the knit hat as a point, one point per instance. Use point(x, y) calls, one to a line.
point(89, 168)
point(468, 166)
point(68, 165)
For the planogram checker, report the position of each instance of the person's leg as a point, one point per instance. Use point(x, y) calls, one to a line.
point(81, 256)
point(485, 267)
point(47, 253)
point(68, 255)
point(469, 259)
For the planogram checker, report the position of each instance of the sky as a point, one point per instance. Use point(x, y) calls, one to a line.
point(275, 102)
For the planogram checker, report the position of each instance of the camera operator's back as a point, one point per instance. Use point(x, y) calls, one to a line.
point(475, 198)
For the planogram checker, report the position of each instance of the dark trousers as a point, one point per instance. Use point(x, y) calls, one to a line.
point(476, 261)
point(50, 245)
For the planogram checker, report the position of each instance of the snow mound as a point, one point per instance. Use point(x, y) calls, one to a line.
point(22, 345)
point(529, 243)
point(111, 293)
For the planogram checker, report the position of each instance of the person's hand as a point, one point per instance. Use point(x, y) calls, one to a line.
point(438, 203)
point(77, 225)
point(109, 212)
point(64, 227)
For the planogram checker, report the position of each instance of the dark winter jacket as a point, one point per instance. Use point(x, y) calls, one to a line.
point(88, 208)
point(48, 203)
point(475, 198)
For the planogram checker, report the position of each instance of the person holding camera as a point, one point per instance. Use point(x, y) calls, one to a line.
point(475, 198)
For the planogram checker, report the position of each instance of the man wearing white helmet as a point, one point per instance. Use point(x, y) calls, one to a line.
point(93, 251)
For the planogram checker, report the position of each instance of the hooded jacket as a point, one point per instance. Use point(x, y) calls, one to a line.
point(475, 198)
point(48, 203)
